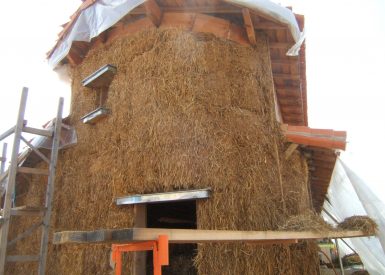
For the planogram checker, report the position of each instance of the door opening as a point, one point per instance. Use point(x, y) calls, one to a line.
point(178, 215)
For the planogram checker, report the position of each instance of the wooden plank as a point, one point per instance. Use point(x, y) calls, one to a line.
point(27, 211)
point(23, 258)
point(25, 234)
point(249, 26)
point(193, 235)
point(7, 133)
point(37, 151)
point(39, 132)
point(290, 150)
point(4, 175)
point(153, 11)
point(211, 9)
point(30, 170)
point(140, 221)
point(280, 175)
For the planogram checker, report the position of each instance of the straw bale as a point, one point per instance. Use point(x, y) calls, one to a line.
point(363, 223)
point(187, 111)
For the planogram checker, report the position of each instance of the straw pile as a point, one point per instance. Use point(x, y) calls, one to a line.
point(187, 111)
point(351, 259)
point(306, 221)
point(362, 223)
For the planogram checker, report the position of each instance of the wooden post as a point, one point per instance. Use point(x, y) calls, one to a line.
point(280, 177)
point(140, 221)
point(290, 150)
point(249, 26)
point(11, 181)
point(153, 12)
point(50, 189)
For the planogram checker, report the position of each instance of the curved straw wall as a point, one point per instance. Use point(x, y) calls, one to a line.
point(188, 110)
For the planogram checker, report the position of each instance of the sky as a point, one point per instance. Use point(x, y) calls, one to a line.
point(345, 71)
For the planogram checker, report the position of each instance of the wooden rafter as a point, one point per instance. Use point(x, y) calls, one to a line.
point(249, 26)
point(290, 150)
point(153, 11)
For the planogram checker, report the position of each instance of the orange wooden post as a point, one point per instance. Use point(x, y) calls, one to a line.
point(163, 249)
point(160, 251)
point(156, 264)
point(117, 259)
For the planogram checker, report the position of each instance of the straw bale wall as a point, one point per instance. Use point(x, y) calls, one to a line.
point(188, 110)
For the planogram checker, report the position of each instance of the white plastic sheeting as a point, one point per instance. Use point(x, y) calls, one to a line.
point(348, 196)
point(279, 13)
point(105, 13)
point(91, 22)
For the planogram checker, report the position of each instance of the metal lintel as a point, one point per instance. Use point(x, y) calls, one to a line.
point(95, 115)
point(101, 78)
point(165, 197)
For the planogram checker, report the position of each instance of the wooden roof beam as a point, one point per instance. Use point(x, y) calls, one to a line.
point(249, 26)
point(153, 11)
point(225, 9)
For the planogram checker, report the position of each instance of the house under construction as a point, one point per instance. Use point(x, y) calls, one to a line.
point(187, 115)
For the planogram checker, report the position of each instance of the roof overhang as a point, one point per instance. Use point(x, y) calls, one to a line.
point(94, 17)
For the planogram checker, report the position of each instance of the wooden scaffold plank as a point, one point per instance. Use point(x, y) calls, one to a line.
point(194, 236)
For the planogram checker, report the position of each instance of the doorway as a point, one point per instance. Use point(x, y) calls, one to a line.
point(175, 215)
